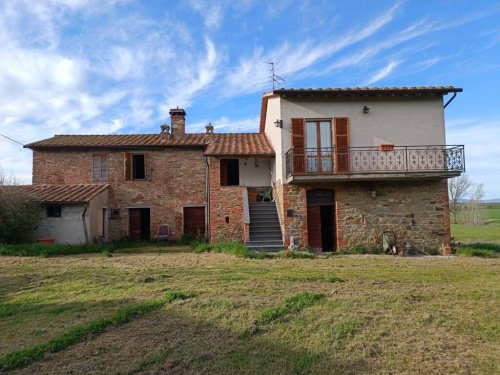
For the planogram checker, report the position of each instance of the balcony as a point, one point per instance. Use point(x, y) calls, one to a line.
point(368, 163)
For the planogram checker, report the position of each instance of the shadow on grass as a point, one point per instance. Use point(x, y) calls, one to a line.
point(479, 249)
point(175, 340)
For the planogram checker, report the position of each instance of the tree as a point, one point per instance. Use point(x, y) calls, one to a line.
point(472, 212)
point(458, 189)
point(20, 213)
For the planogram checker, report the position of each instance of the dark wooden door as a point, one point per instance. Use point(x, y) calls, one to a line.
point(321, 219)
point(314, 226)
point(134, 215)
point(194, 221)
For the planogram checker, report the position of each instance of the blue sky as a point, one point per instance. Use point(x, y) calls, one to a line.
point(100, 67)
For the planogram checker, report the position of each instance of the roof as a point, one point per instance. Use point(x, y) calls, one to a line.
point(119, 140)
point(80, 193)
point(239, 144)
point(368, 91)
point(217, 144)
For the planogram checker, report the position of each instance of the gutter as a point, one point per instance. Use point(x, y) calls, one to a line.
point(85, 224)
point(450, 100)
point(207, 200)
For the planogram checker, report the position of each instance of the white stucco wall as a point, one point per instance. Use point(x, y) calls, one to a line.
point(67, 229)
point(96, 205)
point(398, 121)
point(274, 135)
point(252, 175)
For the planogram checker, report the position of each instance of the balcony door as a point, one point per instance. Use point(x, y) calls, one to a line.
point(319, 146)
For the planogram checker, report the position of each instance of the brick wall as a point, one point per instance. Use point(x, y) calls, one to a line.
point(226, 203)
point(176, 179)
point(417, 211)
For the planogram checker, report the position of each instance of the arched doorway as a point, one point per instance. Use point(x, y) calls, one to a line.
point(321, 219)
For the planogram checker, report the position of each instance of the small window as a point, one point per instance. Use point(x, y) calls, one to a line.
point(138, 169)
point(54, 211)
point(100, 167)
point(229, 172)
point(135, 166)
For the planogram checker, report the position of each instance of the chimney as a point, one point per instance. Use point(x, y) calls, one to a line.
point(209, 128)
point(165, 133)
point(178, 122)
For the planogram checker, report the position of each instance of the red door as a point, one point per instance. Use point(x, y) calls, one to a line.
point(134, 224)
point(194, 221)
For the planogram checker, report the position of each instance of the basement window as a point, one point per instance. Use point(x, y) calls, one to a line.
point(54, 211)
point(229, 172)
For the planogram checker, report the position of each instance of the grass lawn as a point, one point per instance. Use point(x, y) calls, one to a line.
point(340, 315)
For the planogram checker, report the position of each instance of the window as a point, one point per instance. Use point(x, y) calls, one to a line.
point(138, 167)
point(319, 146)
point(135, 166)
point(100, 167)
point(54, 211)
point(229, 172)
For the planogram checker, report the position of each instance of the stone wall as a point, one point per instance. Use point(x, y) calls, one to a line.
point(417, 211)
point(226, 207)
point(176, 178)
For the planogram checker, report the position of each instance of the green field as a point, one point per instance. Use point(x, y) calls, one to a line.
point(187, 313)
point(489, 232)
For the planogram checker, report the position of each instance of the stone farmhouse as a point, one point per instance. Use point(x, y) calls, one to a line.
point(329, 169)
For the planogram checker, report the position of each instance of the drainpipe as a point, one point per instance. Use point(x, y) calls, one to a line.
point(450, 100)
point(207, 200)
point(85, 224)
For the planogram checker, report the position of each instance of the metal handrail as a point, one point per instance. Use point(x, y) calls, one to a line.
point(375, 159)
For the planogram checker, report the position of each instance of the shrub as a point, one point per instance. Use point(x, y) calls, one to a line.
point(20, 215)
point(470, 251)
point(296, 254)
point(364, 250)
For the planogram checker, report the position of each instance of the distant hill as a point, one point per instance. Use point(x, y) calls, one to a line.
point(497, 200)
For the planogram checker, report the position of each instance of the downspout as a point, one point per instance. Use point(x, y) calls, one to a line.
point(207, 200)
point(450, 100)
point(85, 224)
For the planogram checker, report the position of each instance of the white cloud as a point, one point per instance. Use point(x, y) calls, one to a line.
point(382, 73)
point(211, 13)
point(292, 58)
point(192, 78)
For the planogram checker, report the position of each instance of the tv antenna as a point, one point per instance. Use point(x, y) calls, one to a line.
point(275, 79)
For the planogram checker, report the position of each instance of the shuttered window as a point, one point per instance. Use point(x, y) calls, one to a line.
point(342, 144)
point(298, 145)
point(136, 166)
point(100, 167)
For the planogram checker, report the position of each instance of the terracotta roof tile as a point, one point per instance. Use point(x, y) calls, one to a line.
point(119, 140)
point(251, 144)
point(239, 144)
point(80, 193)
point(369, 91)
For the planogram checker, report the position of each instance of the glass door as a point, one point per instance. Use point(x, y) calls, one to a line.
point(319, 146)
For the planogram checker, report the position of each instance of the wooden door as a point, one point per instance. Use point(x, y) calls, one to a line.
point(134, 224)
point(314, 226)
point(194, 221)
point(342, 144)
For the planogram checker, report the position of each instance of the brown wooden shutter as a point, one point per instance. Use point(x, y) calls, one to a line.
point(147, 167)
point(96, 167)
point(223, 172)
point(342, 144)
point(128, 165)
point(104, 167)
point(298, 145)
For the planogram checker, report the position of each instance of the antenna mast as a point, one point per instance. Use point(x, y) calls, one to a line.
point(275, 79)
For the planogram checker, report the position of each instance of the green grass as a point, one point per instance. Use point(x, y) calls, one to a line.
point(39, 249)
point(292, 304)
point(345, 314)
point(18, 358)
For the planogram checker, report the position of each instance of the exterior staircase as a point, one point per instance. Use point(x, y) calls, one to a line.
point(265, 230)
